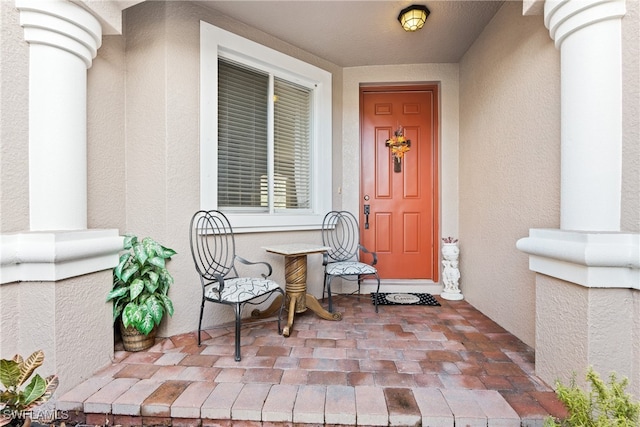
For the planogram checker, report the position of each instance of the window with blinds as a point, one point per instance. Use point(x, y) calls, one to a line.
point(262, 166)
point(266, 135)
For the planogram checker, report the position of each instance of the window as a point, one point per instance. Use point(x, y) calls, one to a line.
point(243, 141)
point(265, 135)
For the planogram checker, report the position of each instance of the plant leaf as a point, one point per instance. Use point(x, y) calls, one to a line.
point(29, 365)
point(168, 278)
point(135, 289)
point(9, 373)
point(129, 241)
point(168, 305)
point(146, 323)
point(140, 253)
point(152, 283)
point(51, 383)
point(121, 265)
point(155, 309)
point(152, 247)
point(117, 293)
point(130, 314)
point(157, 261)
point(129, 271)
point(117, 311)
point(33, 391)
point(166, 252)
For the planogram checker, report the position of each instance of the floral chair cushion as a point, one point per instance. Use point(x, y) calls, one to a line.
point(347, 268)
point(241, 289)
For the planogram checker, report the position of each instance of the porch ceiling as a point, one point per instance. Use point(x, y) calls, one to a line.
point(359, 33)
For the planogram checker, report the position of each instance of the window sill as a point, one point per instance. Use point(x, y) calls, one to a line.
point(255, 223)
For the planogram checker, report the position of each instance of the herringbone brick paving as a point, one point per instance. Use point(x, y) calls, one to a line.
point(406, 365)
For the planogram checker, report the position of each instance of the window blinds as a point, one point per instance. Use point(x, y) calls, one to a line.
point(292, 145)
point(242, 134)
point(243, 103)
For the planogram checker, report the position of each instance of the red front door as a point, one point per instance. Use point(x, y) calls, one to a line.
point(402, 224)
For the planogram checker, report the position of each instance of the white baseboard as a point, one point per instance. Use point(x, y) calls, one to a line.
point(390, 285)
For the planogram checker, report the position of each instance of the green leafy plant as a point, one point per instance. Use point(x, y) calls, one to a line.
point(604, 405)
point(14, 401)
point(141, 283)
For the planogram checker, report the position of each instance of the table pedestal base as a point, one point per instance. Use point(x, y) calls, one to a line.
point(298, 300)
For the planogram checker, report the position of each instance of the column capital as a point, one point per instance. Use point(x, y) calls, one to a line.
point(61, 24)
point(564, 17)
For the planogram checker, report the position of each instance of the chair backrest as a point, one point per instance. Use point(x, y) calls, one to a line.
point(212, 244)
point(341, 233)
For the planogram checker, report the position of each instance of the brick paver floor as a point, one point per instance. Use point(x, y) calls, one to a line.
point(406, 365)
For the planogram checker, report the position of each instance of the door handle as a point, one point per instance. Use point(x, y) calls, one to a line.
point(367, 210)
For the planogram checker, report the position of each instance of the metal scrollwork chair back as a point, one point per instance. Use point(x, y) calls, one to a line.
point(214, 254)
point(340, 232)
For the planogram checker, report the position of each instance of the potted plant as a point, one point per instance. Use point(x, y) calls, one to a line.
point(141, 283)
point(16, 403)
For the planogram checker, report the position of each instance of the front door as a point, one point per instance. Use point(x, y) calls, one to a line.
point(401, 195)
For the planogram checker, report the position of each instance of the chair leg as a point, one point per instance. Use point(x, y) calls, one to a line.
point(238, 310)
point(377, 292)
point(328, 285)
point(280, 312)
point(324, 285)
point(200, 321)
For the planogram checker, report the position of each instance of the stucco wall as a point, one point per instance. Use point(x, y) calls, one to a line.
point(509, 163)
point(630, 209)
point(162, 146)
point(581, 327)
point(14, 122)
point(64, 319)
point(106, 160)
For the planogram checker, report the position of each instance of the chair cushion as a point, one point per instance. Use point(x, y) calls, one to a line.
point(242, 289)
point(348, 268)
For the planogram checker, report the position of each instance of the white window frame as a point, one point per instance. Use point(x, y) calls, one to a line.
point(216, 42)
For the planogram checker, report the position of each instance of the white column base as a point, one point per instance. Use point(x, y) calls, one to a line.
point(52, 256)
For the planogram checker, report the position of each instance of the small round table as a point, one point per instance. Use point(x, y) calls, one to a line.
point(295, 272)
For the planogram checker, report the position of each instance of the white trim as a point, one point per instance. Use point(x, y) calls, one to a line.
point(214, 42)
point(390, 285)
point(53, 256)
point(590, 259)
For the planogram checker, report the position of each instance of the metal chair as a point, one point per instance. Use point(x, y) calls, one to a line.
point(341, 233)
point(214, 254)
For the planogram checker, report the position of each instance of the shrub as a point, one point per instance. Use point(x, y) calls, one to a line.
point(604, 405)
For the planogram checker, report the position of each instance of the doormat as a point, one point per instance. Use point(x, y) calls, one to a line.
point(403, 299)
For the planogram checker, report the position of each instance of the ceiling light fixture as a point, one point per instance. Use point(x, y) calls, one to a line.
point(413, 17)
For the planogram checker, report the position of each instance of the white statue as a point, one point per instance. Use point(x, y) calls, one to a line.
point(451, 276)
point(450, 272)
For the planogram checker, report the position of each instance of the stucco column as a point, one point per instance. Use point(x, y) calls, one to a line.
point(63, 39)
point(588, 271)
point(588, 34)
point(59, 268)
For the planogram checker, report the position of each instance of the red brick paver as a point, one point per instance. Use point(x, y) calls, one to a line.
point(406, 365)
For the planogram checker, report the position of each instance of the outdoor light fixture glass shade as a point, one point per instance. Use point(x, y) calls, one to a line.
point(413, 17)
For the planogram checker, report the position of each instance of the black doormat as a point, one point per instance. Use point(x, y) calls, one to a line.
point(403, 298)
